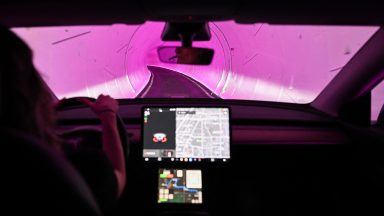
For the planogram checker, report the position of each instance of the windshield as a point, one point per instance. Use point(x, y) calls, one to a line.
point(281, 63)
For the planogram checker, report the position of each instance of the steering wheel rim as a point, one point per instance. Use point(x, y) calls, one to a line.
point(75, 103)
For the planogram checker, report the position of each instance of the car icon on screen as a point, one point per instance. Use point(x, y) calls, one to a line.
point(159, 137)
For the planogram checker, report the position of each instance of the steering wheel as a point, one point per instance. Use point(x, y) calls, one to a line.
point(75, 103)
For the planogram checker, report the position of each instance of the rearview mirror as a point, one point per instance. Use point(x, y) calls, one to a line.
point(185, 55)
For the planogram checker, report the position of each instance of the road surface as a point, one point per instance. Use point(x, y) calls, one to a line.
point(165, 83)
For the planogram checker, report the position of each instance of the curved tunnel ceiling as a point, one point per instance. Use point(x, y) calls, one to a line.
point(282, 63)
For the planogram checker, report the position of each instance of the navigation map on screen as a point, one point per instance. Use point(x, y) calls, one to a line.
point(180, 186)
point(186, 134)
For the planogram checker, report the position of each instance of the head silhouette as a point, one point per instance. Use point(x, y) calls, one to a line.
point(26, 103)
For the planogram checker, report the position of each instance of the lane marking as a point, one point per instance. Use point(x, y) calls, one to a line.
point(148, 87)
point(201, 86)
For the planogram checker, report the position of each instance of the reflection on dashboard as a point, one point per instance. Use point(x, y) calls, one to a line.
point(186, 134)
point(180, 186)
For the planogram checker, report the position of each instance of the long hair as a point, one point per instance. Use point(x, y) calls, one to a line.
point(25, 102)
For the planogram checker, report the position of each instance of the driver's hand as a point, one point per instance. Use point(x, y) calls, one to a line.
point(103, 104)
point(57, 105)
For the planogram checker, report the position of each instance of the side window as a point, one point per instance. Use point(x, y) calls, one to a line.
point(377, 101)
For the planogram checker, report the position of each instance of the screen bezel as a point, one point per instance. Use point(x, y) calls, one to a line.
point(168, 160)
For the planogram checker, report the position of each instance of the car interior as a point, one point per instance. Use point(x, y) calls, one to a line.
point(208, 127)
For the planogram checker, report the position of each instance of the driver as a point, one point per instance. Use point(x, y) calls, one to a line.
point(27, 105)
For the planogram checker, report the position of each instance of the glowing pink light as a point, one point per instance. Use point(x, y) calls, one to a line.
point(255, 62)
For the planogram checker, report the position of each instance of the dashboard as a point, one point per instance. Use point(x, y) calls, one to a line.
point(184, 156)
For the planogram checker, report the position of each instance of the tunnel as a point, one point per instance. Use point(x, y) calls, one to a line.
point(281, 63)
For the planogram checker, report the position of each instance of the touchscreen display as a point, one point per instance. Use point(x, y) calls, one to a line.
point(180, 186)
point(186, 134)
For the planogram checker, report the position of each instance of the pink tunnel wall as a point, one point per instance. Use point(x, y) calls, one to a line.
point(255, 62)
